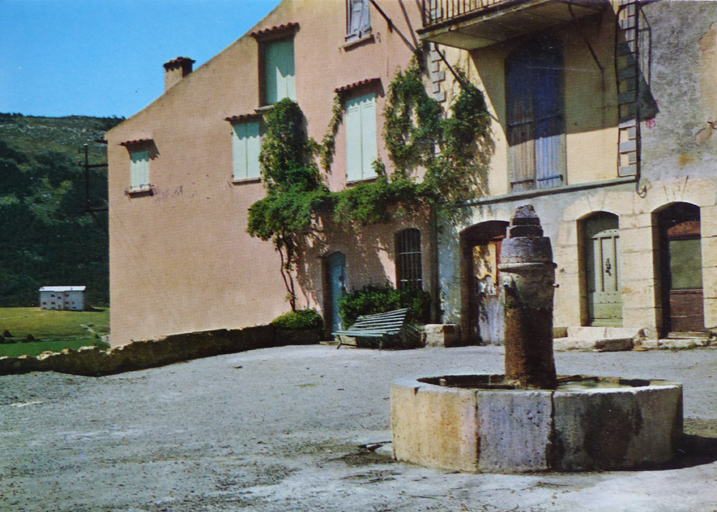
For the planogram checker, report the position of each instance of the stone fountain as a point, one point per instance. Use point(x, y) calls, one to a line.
point(530, 418)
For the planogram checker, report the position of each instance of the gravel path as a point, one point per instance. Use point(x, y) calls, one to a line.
point(281, 429)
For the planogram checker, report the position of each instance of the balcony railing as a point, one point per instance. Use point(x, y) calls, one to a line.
point(440, 11)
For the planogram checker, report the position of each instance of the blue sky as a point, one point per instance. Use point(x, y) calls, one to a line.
point(104, 57)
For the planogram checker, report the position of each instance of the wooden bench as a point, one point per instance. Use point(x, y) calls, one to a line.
point(384, 326)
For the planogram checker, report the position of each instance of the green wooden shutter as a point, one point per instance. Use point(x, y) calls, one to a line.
point(246, 145)
point(361, 148)
point(368, 135)
point(139, 169)
point(279, 71)
point(239, 151)
point(253, 147)
point(353, 139)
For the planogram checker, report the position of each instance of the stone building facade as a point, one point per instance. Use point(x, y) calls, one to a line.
point(603, 119)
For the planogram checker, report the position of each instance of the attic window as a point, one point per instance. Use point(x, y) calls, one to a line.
point(358, 19)
point(278, 68)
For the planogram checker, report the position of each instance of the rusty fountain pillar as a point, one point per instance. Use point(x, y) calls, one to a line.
point(528, 280)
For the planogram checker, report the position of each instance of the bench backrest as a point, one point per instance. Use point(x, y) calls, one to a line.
point(392, 321)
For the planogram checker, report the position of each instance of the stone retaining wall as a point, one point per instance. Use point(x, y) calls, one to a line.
point(92, 361)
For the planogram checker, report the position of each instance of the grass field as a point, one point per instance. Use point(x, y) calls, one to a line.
point(53, 330)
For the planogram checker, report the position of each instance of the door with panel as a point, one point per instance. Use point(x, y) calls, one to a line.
point(603, 270)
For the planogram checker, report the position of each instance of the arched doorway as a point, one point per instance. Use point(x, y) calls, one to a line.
point(681, 268)
point(335, 289)
point(481, 310)
point(603, 269)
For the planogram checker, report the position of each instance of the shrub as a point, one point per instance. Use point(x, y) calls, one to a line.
point(299, 319)
point(379, 299)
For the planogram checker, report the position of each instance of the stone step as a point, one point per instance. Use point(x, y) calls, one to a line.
point(594, 333)
point(593, 344)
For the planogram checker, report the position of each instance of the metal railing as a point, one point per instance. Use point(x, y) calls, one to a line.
point(440, 11)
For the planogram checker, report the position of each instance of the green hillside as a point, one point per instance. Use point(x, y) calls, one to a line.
point(46, 236)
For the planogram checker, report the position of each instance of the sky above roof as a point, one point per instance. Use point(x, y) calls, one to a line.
point(104, 57)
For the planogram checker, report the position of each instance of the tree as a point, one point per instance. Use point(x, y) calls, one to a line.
point(295, 192)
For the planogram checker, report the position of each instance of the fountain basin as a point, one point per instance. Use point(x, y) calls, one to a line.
point(479, 422)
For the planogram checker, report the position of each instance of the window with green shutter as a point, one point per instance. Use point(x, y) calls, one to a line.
point(279, 71)
point(246, 145)
point(139, 169)
point(361, 148)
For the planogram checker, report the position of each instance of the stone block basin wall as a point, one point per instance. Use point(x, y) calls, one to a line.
point(476, 423)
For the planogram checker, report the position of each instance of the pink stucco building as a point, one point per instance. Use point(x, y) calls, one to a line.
point(184, 171)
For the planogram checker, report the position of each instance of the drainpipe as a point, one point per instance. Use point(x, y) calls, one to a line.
point(433, 241)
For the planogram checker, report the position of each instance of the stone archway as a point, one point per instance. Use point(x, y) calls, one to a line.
point(481, 312)
point(680, 268)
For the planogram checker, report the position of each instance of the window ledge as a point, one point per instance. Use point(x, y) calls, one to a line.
point(351, 183)
point(144, 190)
point(241, 181)
point(562, 189)
point(366, 38)
point(264, 108)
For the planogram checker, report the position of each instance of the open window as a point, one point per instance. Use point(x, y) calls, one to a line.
point(276, 63)
point(358, 19)
point(278, 73)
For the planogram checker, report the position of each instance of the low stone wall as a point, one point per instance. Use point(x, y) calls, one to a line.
point(92, 361)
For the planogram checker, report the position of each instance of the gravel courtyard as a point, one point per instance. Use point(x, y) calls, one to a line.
point(286, 429)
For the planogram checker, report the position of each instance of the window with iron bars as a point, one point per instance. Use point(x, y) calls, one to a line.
point(409, 272)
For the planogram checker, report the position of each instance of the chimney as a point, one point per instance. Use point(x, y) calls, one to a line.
point(175, 70)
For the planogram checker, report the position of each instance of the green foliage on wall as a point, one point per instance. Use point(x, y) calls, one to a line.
point(295, 192)
point(434, 160)
point(380, 299)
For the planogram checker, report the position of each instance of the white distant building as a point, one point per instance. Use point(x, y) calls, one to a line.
point(62, 297)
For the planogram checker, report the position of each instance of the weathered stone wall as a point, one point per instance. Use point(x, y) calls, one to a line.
point(679, 153)
point(92, 361)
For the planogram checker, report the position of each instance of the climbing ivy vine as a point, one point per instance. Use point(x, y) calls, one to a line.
point(295, 191)
point(435, 159)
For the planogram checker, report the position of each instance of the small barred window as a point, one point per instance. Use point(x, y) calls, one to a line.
point(409, 272)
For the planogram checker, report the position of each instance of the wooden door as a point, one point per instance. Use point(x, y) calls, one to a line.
point(337, 288)
point(603, 270)
point(489, 311)
point(682, 269)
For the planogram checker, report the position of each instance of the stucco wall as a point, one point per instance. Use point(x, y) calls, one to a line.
point(181, 260)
